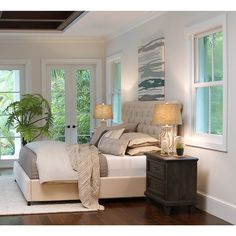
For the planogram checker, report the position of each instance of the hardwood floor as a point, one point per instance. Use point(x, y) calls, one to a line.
point(136, 211)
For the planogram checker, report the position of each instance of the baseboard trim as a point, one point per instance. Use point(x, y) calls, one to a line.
point(217, 207)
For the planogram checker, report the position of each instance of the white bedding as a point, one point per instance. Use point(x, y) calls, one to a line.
point(53, 162)
point(54, 165)
point(126, 165)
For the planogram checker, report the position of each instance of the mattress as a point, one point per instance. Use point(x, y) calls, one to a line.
point(126, 165)
point(112, 167)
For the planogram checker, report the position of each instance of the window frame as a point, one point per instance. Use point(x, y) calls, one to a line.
point(208, 141)
point(117, 57)
point(25, 87)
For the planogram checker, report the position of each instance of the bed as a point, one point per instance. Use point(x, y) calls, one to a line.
point(114, 185)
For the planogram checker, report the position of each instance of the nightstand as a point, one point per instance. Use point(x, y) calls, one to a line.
point(171, 181)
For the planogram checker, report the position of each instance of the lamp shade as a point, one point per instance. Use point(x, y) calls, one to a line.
point(103, 112)
point(167, 114)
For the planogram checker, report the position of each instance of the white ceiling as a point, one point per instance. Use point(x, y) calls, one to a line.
point(98, 25)
point(108, 24)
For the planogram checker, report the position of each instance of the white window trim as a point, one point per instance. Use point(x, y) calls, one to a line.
point(109, 61)
point(117, 57)
point(27, 77)
point(208, 141)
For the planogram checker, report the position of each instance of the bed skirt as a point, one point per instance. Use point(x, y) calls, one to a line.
point(111, 187)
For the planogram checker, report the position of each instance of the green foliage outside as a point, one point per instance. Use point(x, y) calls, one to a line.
point(208, 46)
point(82, 104)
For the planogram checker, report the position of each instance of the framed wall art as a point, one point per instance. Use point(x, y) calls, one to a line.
point(151, 71)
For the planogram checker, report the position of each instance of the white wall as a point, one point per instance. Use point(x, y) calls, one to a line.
point(216, 170)
point(36, 48)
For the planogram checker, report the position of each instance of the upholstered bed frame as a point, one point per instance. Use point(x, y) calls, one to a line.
point(111, 187)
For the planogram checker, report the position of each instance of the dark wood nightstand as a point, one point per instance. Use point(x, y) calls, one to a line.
point(171, 181)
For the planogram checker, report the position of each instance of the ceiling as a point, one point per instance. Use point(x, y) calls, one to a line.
point(94, 24)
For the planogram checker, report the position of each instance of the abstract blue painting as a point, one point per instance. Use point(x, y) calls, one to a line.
point(151, 66)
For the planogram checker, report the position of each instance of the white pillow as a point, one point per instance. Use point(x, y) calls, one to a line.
point(141, 150)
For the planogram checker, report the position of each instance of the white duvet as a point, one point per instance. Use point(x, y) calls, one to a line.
point(53, 162)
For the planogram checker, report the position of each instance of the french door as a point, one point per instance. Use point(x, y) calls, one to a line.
point(71, 90)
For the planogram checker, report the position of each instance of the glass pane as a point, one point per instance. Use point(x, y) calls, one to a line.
point(218, 56)
point(204, 59)
point(7, 147)
point(83, 90)
point(7, 99)
point(116, 102)
point(58, 104)
point(202, 110)
point(10, 80)
point(217, 110)
point(83, 105)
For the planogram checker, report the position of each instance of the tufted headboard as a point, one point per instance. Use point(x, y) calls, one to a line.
point(141, 112)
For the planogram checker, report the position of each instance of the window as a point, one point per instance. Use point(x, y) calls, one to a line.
point(70, 102)
point(208, 88)
point(73, 87)
point(113, 90)
point(12, 79)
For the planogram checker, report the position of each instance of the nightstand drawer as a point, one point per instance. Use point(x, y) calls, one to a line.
point(156, 169)
point(156, 186)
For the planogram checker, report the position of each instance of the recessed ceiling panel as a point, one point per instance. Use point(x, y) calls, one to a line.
point(37, 20)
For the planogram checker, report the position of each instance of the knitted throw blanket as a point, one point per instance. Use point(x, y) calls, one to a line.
point(85, 160)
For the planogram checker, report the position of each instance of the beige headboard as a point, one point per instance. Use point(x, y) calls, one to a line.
point(141, 112)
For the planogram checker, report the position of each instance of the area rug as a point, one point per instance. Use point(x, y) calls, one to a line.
point(12, 202)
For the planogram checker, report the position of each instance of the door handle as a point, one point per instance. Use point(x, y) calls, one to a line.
point(73, 126)
point(68, 126)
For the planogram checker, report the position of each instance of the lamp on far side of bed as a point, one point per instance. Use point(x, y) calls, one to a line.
point(168, 115)
point(103, 112)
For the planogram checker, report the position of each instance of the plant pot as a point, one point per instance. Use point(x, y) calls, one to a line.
point(180, 151)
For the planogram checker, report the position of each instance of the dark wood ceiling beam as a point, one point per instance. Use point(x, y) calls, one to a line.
point(31, 20)
point(63, 15)
point(70, 19)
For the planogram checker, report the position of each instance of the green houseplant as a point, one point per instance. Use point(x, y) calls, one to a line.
point(179, 145)
point(31, 117)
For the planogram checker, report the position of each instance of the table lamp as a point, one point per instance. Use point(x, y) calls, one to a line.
point(168, 115)
point(103, 112)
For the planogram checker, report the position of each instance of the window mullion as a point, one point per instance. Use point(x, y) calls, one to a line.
point(209, 110)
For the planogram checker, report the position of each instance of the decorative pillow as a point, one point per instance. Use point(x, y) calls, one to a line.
point(99, 131)
point(113, 146)
point(141, 150)
point(98, 138)
point(139, 140)
point(114, 133)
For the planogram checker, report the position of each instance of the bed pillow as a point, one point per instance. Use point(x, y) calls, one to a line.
point(141, 150)
point(139, 140)
point(114, 133)
point(99, 131)
point(113, 146)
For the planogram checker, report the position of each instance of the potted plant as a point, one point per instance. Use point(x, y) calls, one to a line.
point(179, 145)
point(31, 117)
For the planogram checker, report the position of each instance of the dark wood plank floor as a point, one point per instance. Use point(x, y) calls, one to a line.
point(135, 211)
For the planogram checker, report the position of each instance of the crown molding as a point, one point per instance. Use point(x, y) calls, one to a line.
point(122, 32)
point(39, 38)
